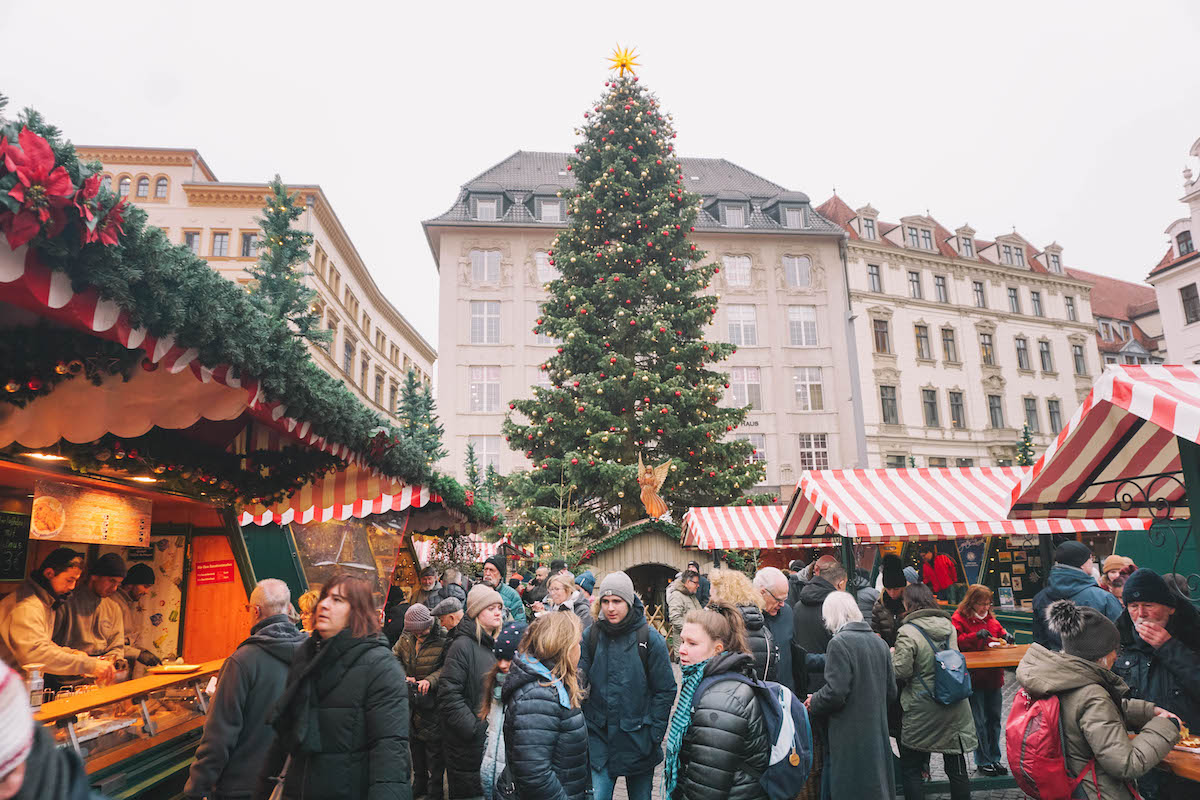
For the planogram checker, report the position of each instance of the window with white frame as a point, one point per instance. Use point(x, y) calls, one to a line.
point(486, 209)
point(191, 240)
point(1106, 332)
point(1054, 411)
point(964, 462)
point(743, 325)
point(810, 393)
point(940, 290)
point(1031, 415)
point(793, 218)
point(798, 271)
point(735, 215)
point(487, 450)
point(546, 271)
point(986, 350)
point(220, 244)
point(1006, 253)
point(874, 278)
point(914, 237)
point(1191, 303)
point(996, 410)
point(1019, 255)
point(980, 296)
point(484, 389)
point(1079, 358)
point(802, 326)
point(929, 405)
point(924, 348)
point(926, 238)
point(966, 246)
point(1022, 353)
point(1035, 302)
point(888, 409)
point(883, 339)
point(551, 210)
point(160, 189)
point(814, 451)
point(737, 270)
point(1071, 313)
point(249, 245)
point(895, 461)
point(485, 322)
point(949, 346)
point(914, 285)
point(958, 410)
point(745, 387)
point(759, 442)
point(938, 462)
point(143, 187)
point(1055, 263)
point(868, 228)
point(123, 187)
point(1014, 300)
point(485, 266)
point(1046, 355)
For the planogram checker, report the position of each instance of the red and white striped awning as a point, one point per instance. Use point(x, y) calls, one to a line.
point(349, 492)
point(737, 528)
point(484, 550)
point(1126, 428)
point(918, 504)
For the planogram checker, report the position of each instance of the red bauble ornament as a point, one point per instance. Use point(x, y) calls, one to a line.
point(149, 365)
point(512, 406)
point(34, 384)
point(574, 460)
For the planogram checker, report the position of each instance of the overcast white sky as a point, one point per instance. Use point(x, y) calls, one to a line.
point(1068, 120)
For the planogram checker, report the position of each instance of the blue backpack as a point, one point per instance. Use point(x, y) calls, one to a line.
point(788, 730)
point(951, 678)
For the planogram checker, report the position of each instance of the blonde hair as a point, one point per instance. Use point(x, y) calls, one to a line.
point(308, 600)
point(551, 639)
point(567, 583)
point(722, 623)
point(734, 587)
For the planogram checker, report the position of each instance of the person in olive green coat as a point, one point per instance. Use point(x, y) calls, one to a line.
point(1094, 704)
point(927, 726)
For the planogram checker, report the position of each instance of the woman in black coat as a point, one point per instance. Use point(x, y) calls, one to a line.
point(460, 690)
point(719, 750)
point(545, 736)
point(733, 587)
point(342, 722)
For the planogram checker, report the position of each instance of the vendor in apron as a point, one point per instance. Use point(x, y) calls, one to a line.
point(34, 617)
point(135, 588)
point(94, 624)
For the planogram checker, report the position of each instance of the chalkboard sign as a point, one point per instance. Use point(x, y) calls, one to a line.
point(14, 545)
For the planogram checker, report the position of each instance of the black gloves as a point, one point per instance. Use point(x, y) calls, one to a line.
point(148, 658)
point(1010, 638)
point(983, 634)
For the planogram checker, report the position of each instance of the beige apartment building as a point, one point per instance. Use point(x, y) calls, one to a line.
point(1177, 274)
point(373, 345)
point(782, 302)
point(963, 340)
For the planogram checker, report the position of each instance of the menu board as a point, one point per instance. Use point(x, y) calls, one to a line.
point(66, 512)
point(14, 545)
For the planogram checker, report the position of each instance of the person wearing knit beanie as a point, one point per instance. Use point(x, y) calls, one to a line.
point(501, 566)
point(481, 597)
point(1071, 578)
point(586, 581)
point(1085, 632)
point(619, 584)
point(417, 619)
point(139, 575)
point(97, 623)
point(109, 565)
point(893, 572)
point(911, 575)
point(16, 724)
point(507, 640)
point(1073, 554)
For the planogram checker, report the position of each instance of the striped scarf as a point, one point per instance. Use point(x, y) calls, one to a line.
point(680, 720)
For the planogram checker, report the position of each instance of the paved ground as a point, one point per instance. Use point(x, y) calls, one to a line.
point(938, 771)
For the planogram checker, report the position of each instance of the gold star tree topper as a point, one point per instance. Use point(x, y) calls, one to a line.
point(624, 59)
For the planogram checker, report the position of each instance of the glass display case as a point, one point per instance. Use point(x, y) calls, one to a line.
point(107, 725)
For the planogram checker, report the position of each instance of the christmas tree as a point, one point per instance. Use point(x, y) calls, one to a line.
point(631, 376)
point(1025, 454)
point(471, 469)
point(418, 418)
point(278, 289)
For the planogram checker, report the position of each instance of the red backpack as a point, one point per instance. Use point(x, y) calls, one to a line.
point(1035, 749)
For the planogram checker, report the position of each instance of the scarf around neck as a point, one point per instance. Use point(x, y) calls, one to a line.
point(680, 721)
point(540, 669)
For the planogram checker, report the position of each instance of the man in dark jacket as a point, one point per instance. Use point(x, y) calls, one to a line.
point(629, 702)
point(236, 734)
point(705, 590)
point(536, 591)
point(1159, 656)
point(810, 631)
point(795, 582)
point(1070, 579)
point(889, 608)
point(772, 584)
point(432, 590)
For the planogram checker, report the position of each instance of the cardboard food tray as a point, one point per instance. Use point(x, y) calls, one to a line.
point(173, 669)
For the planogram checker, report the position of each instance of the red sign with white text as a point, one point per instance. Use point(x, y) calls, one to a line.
point(214, 572)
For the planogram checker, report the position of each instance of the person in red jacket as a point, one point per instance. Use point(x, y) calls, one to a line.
point(938, 572)
point(977, 629)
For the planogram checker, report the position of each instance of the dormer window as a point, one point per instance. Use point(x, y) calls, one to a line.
point(734, 215)
point(550, 210)
point(868, 228)
point(1126, 331)
point(966, 246)
point(793, 218)
point(1105, 331)
point(1019, 255)
point(1184, 242)
point(1055, 263)
point(920, 237)
point(927, 239)
point(487, 209)
point(914, 237)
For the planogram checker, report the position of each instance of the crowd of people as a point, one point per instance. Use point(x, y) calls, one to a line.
point(556, 687)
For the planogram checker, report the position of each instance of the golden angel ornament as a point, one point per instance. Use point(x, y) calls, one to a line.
point(651, 480)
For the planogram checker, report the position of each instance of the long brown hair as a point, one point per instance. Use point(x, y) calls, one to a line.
point(489, 689)
point(364, 620)
point(551, 639)
point(975, 593)
point(723, 623)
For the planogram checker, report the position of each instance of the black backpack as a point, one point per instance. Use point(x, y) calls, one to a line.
point(643, 645)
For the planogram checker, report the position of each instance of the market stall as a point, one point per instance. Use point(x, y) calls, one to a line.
point(719, 528)
point(959, 511)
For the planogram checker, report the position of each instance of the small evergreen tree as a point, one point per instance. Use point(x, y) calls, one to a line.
point(493, 484)
point(418, 418)
point(1025, 455)
point(434, 429)
point(471, 469)
point(278, 289)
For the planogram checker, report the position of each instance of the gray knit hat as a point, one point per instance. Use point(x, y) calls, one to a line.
point(417, 619)
point(451, 605)
point(1085, 632)
point(617, 583)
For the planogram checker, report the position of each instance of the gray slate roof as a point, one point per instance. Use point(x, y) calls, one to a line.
point(526, 173)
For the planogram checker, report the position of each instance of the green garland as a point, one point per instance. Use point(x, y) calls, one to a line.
point(167, 290)
point(619, 538)
point(38, 359)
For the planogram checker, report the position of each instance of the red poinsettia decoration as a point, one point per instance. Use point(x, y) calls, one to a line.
point(40, 192)
point(470, 498)
point(111, 227)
